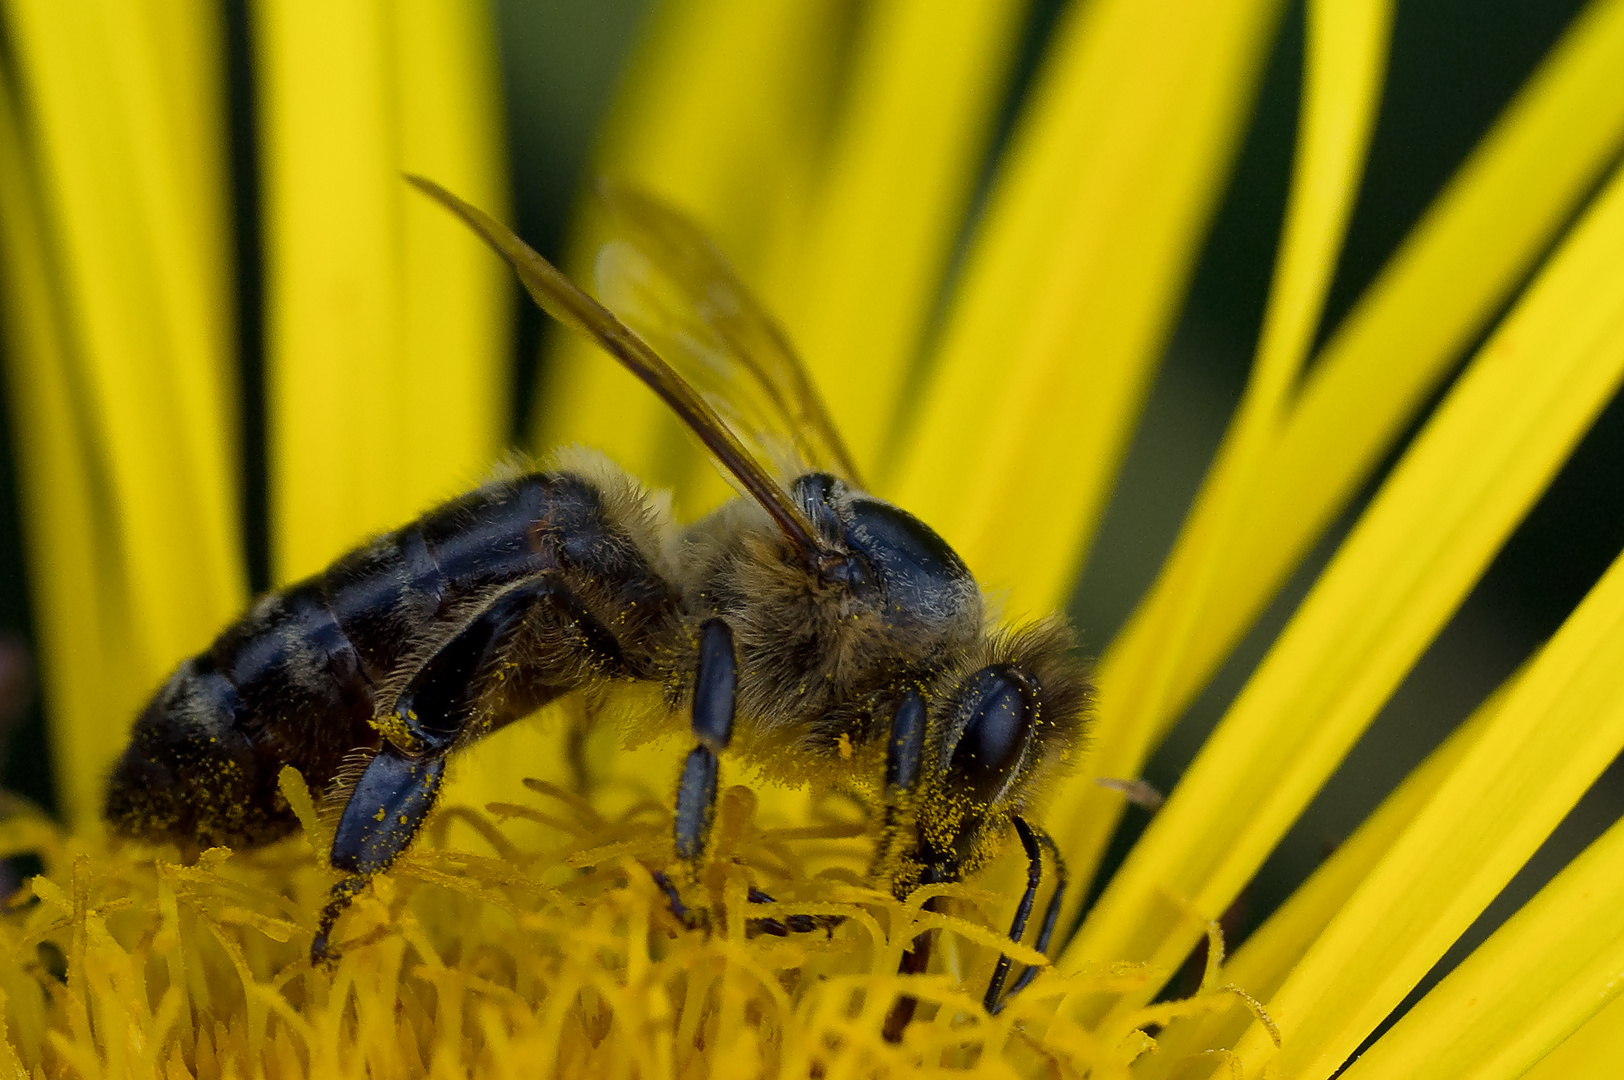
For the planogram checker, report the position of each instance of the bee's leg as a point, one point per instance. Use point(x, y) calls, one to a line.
point(385, 811)
point(715, 683)
point(789, 924)
point(914, 962)
point(904, 756)
point(1033, 840)
point(1023, 911)
point(903, 763)
point(712, 722)
point(399, 786)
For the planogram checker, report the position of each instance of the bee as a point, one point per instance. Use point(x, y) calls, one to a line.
point(807, 626)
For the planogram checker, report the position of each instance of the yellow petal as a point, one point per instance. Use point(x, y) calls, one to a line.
point(456, 299)
point(1270, 952)
point(134, 373)
point(1591, 1053)
point(77, 575)
point(1073, 279)
point(1496, 217)
point(920, 100)
point(1550, 968)
point(1556, 732)
point(723, 115)
point(1346, 60)
point(332, 258)
point(1471, 474)
point(364, 284)
point(1471, 248)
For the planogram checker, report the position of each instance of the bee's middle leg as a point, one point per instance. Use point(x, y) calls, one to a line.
point(715, 687)
point(715, 691)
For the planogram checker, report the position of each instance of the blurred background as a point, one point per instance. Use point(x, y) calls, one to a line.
point(1454, 65)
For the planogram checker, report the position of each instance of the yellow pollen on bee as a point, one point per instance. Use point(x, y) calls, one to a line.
point(845, 747)
point(380, 814)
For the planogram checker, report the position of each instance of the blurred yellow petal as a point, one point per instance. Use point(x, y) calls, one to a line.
point(724, 115)
point(147, 273)
point(457, 303)
point(1072, 282)
point(1465, 257)
point(1270, 952)
point(373, 346)
point(1470, 476)
point(1550, 968)
point(69, 534)
point(332, 267)
point(1345, 62)
point(919, 104)
point(132, 210)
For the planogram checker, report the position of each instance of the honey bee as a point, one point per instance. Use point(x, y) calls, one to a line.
point(808, 626)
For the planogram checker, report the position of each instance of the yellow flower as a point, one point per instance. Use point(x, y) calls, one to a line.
point(837, 162)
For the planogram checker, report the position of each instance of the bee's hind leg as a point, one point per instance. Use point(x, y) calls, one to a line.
point(1034, 841)
point(338, 899)
point(385, 811)
point(399, 786)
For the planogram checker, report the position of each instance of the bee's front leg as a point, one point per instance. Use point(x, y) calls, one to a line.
point(904, 761)
point(1033, 840)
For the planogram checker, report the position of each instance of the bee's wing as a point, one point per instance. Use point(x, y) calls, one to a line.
point(561, 299)
point(664, 277)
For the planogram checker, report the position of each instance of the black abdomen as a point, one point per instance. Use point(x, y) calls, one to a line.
point(296, 680)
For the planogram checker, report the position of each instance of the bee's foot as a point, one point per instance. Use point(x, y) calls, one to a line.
point(790, 924)
point(691, 918)
point(322, 953)
point(699, 919)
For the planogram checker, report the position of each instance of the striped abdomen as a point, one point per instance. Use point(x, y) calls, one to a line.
point(296, 680)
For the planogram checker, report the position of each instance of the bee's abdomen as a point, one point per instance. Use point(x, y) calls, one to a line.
point(296, 680)
point(385, 594)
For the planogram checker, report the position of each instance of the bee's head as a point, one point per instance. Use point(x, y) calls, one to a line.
point(998, 734)
point(189, 775)
point(888, 558)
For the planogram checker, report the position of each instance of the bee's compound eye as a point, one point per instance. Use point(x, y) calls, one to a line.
point(1001, 715)
point(814, 489)
point(814, 493)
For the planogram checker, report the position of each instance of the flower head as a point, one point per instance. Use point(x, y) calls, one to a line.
point(987, 358)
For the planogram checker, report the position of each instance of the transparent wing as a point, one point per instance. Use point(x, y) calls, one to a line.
point(561, 299)
point(670, 284)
